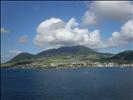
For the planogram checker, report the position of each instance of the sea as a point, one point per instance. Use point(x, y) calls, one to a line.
point(67, 84)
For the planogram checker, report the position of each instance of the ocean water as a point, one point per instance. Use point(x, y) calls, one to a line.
point(67, 84)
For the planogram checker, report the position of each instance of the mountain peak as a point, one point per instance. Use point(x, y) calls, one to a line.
point(73, 51)
point(67, 50)
point(22, 56)
point(125, 55)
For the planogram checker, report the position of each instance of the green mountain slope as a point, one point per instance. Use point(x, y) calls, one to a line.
point(73, 50)
point(126, 55)
point(69, 55)
point(74, 53)
point(22, 57)
point(79, 52)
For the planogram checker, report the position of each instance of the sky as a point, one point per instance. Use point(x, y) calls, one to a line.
point(34, 26)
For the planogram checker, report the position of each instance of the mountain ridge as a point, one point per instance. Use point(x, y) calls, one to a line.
point(125, 55)
point(21, 56)
point(67, 50)
point(61, 51)
point(70, 55)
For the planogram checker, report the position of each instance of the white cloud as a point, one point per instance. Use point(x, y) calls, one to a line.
point(123, 37)
point(89, 18)
point(3, 30)
point(71, 24)
point(54, 33)
point(113, 10)
point(23, 39)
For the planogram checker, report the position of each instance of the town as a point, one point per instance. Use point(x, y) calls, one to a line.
point(72, 65)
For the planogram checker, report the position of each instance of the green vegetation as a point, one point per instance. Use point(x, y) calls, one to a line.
point(22, 57)
point(126, 55)
point(69, 55)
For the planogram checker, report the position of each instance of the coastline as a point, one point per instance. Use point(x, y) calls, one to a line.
point(61, 67)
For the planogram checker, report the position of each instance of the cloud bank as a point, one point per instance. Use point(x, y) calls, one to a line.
point(54, 32)
point(123, 37)
point(112, 10)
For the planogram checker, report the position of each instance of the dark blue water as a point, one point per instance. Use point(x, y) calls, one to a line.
point(67, 84)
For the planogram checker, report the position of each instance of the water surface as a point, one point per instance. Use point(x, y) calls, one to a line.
point(67, 84)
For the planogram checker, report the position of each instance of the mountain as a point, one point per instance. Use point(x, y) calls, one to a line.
point(22, 57)
point(73, 50)
point(78, 52)
point(125, 55)
point(69, 55)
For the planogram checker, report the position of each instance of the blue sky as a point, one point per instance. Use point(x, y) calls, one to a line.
point(20, 21)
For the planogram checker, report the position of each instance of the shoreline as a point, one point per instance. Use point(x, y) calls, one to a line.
point(76, 67)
